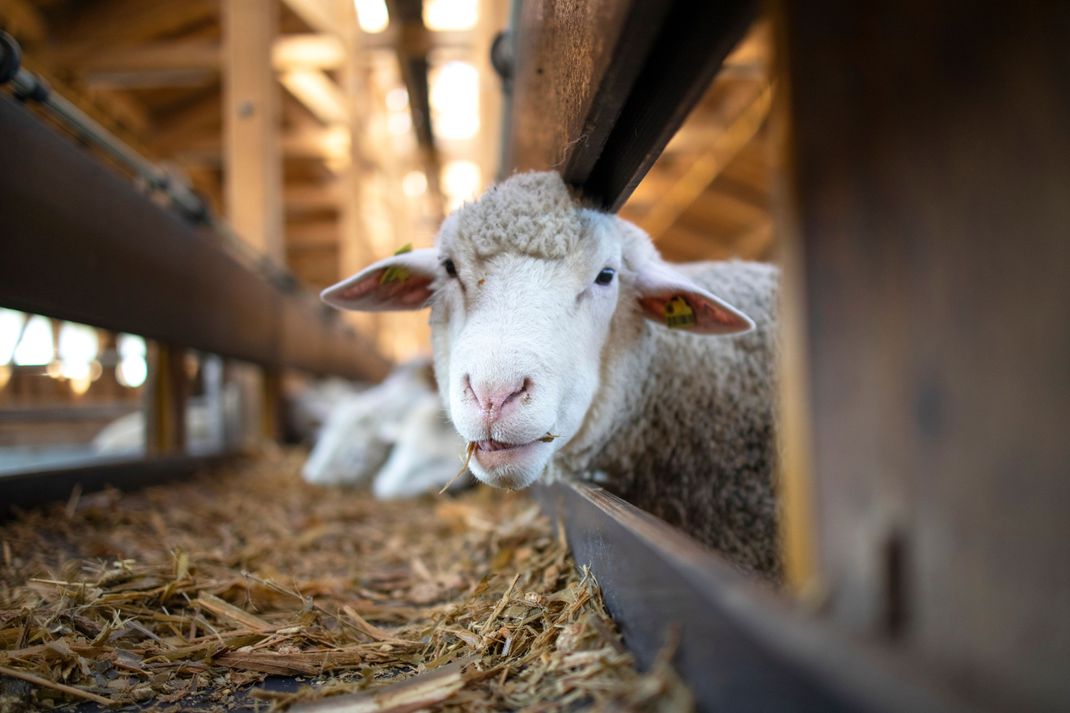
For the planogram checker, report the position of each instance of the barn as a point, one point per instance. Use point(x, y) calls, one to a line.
point(219, 493)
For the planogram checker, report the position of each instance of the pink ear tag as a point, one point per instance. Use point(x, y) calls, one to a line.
point(396, 273)
point(678, 313)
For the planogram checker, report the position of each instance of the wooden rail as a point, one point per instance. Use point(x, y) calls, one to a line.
point(82, 243)
point(738, 645)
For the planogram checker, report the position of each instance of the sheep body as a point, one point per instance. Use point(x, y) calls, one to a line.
point(684, 425)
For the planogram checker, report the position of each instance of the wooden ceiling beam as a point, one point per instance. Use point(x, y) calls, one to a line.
point(311, 198)
point(309, 235)
point(197, 62)
point(23, 21)
point(190, 124)
point(308, 51)
point(102, 25)
point(305, 143)
point(320, 15)
point(708, 165)
point(160, 55)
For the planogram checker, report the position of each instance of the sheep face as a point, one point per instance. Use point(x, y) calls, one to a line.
point(532, 299)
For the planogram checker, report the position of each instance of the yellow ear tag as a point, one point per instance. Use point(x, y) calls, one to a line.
point(678, 313)
point(396, 273)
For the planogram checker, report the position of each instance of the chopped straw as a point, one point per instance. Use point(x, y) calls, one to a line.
point(468, 451)
point(200, 595)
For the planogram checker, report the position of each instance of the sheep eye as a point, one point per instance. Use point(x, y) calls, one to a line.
point(605, 276)
point(451, 269)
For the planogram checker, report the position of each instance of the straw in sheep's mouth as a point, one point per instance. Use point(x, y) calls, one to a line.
point(488, 445)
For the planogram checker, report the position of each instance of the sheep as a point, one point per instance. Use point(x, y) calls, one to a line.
point(425, 453)
point(357, 434)
point(564, 344)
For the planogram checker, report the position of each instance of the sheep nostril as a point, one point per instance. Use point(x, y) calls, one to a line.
point(522, 391)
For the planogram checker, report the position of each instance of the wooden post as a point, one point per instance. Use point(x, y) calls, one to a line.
point(165, 395)
point(929, 158)
point(354, 249)
point(252, 157)
point(252, 161)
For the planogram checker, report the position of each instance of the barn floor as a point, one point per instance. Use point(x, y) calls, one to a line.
point(247, 588)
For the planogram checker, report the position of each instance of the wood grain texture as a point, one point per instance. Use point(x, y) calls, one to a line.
point(600, 87)
point(930, 169)
point(738, 646)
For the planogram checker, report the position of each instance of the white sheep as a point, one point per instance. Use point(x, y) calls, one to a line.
point(425, 455)
point(359, 430)
point(564, 343)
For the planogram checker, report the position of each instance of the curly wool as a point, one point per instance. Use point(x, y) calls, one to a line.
point(528, 214)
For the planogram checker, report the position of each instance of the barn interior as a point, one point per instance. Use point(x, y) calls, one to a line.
point(179, 181)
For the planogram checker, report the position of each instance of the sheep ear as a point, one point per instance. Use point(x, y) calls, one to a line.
point(668, 297)
point(400, 282)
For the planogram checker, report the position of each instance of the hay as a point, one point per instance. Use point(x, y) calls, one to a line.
point(194, 595)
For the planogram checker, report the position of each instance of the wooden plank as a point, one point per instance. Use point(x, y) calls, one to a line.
point(931, 220)
point(308, 51)
point(64, 213)
point(29, 489)
point(312, 234)
point(617, 78)
point(312, 198)
point(192, 54)
point(739, 647)
point(23, 21)
point(320, 15)
point(89, 27)
point(252, 160)
point(563, 53)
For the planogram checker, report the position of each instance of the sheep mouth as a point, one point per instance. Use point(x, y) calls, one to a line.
point(492, 445)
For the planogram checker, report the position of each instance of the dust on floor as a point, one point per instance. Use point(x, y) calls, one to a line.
point(245, 587)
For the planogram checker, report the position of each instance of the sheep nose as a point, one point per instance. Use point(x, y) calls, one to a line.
point(494, 398)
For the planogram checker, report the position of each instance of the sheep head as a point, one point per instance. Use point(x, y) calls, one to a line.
point(531, 296)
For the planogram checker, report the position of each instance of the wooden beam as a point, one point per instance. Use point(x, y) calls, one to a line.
point(197, 54)
point(708, 165)
point(929, 212)
point(600, 87)
point(320, 15)
point(324, 144)
point(737, 645)
point(153, 273)
point(312, 234)
point(308, 51)
point(96, 26)
point(312, 198)
point(23, 21)
point(185, 126)
point(156, 64)
point(198, 62)
point(320, 94)
point(252, 159)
